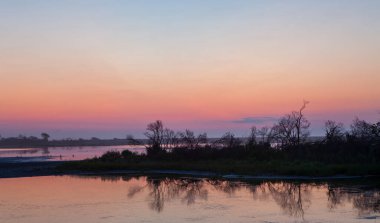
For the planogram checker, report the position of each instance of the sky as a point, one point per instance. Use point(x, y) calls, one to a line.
point(82, 68)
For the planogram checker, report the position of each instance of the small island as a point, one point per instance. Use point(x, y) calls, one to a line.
point(284, 149)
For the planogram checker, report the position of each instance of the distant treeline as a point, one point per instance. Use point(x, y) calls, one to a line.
point(32, 141)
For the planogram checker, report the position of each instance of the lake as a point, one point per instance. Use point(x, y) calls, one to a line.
point(114, 199)
point(61, 153)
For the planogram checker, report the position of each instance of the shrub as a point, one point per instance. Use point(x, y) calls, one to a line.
point(111, 156)
point(126, 154)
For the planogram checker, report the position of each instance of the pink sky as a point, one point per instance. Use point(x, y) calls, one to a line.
point(108, 69)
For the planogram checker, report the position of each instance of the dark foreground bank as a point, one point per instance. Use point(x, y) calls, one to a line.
point(201, 169)
point(29, 169)
point(229, 167)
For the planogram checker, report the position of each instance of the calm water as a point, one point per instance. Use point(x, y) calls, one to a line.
point(156, 199)
point(61, 153)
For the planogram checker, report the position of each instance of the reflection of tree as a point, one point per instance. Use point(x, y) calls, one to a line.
point(368, 202)
point(228, 187)
point(334, 197)
point(365, 201)
point(291, 197)
point(107, 178)
point(259, 192)
point(188, 190)
point(157, 195)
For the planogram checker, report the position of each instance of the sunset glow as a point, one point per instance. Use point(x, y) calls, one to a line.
point(107, 68)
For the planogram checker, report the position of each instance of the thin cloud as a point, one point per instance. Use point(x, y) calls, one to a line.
point(256, 120)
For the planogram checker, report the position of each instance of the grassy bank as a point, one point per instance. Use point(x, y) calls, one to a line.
point(229, 166)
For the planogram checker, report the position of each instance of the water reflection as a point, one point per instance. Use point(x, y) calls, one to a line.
point(294, 198)
point(60, 153)
point(162, 190)
point(365, 200)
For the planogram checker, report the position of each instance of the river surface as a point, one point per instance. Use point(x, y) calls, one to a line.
point(60, 153)
point(116, 199)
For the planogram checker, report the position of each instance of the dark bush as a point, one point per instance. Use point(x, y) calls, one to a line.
point(126, 154)
point(111, 156)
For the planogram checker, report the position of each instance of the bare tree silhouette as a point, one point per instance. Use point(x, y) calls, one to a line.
point(292, 129)
point(155, 134)
point(228, 140)
point(252, 138)
point(334, 131)
point(190, 141)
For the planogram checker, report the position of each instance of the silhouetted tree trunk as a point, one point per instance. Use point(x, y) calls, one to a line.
point(155, 135)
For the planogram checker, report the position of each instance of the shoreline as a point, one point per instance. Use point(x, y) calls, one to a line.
point(205, 174)
point(52, 168)
point(29, 169)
